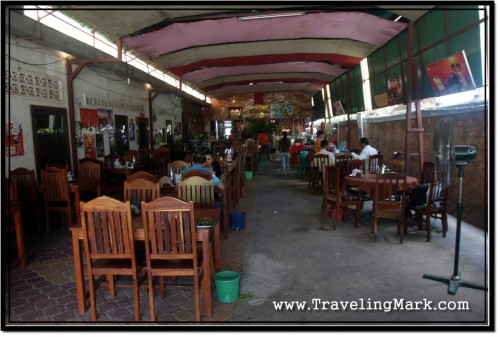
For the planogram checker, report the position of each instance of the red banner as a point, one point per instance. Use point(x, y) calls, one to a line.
point(89, 118)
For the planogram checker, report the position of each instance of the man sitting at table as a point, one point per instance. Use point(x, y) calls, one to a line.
point(324, 150)
point(199, 161)
point(367, 151)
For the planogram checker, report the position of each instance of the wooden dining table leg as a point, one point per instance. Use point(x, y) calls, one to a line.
point(225, 214)
point(217, 261)
point(79, 278)
point(206, 286)
point(16, 214)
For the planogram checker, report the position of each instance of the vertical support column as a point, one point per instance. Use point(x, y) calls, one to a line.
point(150, 103)
point(412, 97)
point(71, 116)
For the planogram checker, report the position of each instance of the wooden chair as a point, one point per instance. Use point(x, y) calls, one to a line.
point(113, 184)
point(336, 200)
point(56, 193)
point(197, 173)
point(396, 165)
point(139, 190)
point(162, 158)
point(341, 161)
point(375, 163)
point(147, 159)
point(435, 207)
point(353, 191)
point(13, 224)
point(109, 245)
point(178, 166)
point(389, 201)
point(427, 172)
point(197, 189)
point(90, 169)
point(128, 156)
point(24, 183)
point(170, 240)
point(142, 175)
point(316, 170)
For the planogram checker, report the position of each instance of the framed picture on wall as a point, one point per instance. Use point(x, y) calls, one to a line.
point(178, 128)
point(451, 75)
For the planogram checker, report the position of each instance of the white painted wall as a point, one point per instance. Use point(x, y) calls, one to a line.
point(92, 80)
point(30, 57)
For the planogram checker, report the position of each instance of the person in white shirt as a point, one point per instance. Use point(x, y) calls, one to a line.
point(366, 152)
point(324, 147)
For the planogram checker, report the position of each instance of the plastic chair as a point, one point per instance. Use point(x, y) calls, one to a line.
point(303, 165)
point(170, 240)
point(107, 254)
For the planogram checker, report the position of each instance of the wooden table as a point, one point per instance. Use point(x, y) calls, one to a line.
point(13, 210)
point(76, 187)
point(368, 182)
point(124, 171)
point(209, 239)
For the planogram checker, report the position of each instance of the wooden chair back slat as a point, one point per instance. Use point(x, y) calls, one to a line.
point(197, 189)
point(139, 190)
point(170, 240)
point(89, 169)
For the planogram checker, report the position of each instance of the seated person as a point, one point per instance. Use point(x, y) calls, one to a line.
point(324, 150)
point(366, 152)
point(199, 161)
point(212, 165)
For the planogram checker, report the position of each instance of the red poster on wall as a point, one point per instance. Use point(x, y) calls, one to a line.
point(89, 145)
point(89, 118)
point(451, 75)
point(14, 143)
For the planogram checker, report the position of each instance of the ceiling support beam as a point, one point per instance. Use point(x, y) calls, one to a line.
point(71, 75)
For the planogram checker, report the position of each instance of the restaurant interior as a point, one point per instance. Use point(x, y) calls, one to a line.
point(111, 110)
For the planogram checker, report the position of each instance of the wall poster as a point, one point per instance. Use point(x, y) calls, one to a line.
point(89, 145)
point(395, 87)
point(14, 142)
point(451, 75)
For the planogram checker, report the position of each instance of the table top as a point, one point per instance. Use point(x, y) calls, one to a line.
point(368, 181)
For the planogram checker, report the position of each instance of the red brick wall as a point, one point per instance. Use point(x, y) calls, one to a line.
point(469, 128)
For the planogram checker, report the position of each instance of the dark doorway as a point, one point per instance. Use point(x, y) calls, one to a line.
point(143, 126)
point(50, 137)
point(121, 134)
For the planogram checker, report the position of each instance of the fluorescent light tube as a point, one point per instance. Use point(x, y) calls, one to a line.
point(268, 16)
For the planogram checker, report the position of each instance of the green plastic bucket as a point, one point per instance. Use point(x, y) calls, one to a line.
point(227, 286)
point(248, 175)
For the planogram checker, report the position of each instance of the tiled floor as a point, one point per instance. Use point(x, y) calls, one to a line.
point(286, 251)
point(44, 292)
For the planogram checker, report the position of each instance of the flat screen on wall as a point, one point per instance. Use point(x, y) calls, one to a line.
point(451, 75)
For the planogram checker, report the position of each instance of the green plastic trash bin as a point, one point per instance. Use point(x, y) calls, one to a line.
point(227, 286)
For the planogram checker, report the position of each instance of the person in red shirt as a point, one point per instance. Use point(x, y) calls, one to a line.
point(264, 144)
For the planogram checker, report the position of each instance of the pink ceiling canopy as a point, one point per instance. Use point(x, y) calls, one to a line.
point(356, 26)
